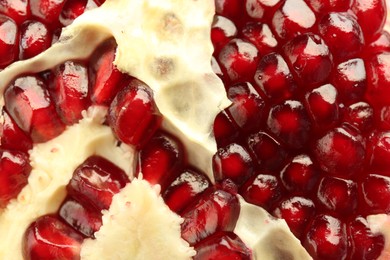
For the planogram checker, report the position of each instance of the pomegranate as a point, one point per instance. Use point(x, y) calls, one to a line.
point(290, 124)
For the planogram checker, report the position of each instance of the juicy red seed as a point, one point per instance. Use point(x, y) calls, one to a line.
point(338, 195)
point(9, 38)
point(326, 238)
point(73, 9)
point(349, 78)
point(47, 11)
point(97, 180)
point(232, 162)
point(261, 36)
point(364, 244)
point(18, 10)
point(263, 190)
point(340, 152)
point(382, 119)
point(310, 58)
point(50, 238)
point(160, 160)
point(376, 193)
point(70, 91)
point(222, 245)
point(35, 37)
point(371, 15)
point(222, 31)
point(300, 174)
point(12, 137)
point(225, 129)
point(133, 115)
point(290, 123)
point(361, 115)
point(247, 109)
point(274, 78)
point(239, 59)
point(14, 171)
point(379, 152)
point(342, 27)
point(380, 44)
point(81, 216)
point(229, 8)
point(28, 102)
point(322, 105)
point(327, 6)
point(297, 211)
point(378, 75)
point(106, 79)
point(261, 10)
point(185, 189)
point(293, 18)
point(269, 153)
point(215, 211)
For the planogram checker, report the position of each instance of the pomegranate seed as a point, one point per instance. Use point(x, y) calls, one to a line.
point(327, 6)
point(371, 15)
point(380, 44)
point(222, 31)
point(35, 37)
point(293, 18)
point(361, 115)
point(376, 193)
point(73, 9)
point(232, 162)
point(260, 9)
point(290, 123)
point(50, 238)
point(274, 78)
point(133, 115)
point(326, 238)
point(239, 59)
point(225, 129)
point(47, 11)
point(297, 211)
point(378, 75)
point(28, 102)
point(81, 216)
point(217, 210)
point(97, 180)
point(340, 152)
point(14, 171)
point(70, 91)
point(263, 190)
point(12, 136)
point(18, 10)
point(222, 245)
point(382, 119)
point(261, 36)
point(229, 8)
point(160, 160)
point(9, 38)
point(310, 57)
point(185, 188)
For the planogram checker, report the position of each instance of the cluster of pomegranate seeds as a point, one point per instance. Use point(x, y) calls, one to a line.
point(314, 148)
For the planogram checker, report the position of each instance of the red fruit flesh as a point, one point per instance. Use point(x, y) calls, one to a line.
point(9, 38)
point(47, 11)
point(35, 38)
point(18, 10)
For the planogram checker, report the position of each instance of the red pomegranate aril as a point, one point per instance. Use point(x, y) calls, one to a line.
point(269, 153)
point(185, 189)
point(336, 28)
point(222, 31)
point(378, 79)
point(217, 210)
point(229, 8)
point(361, 115)
point(292, 18)
point(18, 10)
point(47, 11)
point(261, 9)
point(364, 244)
point(14, 171)
point(274, 78)
point(378, 152)
point(300, 174)
point(371, 15)
point(50, 238)
point(298, 212)
point(81, 216)
point(381, 44)
point(247, 109)
point(225, 129)
point(12, 137)
point(9, 40)
point(133, 115)
point(263, 190)
point(310, 58)
point(97, 180)
point(290, 123)
point(28, 102)
point(327, 6)
point(160, 160)
point(323, 107)
point(326, 238)
point(222, 245)
point(232, 162)
point(238, 60)
point(35, 38)
point(73, 9)
point(341, 151)
point(382, 119)
point(376, 194)
point(70, 91)
point(349, 78)
point(261, 36)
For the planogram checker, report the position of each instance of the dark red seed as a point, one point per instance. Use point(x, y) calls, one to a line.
point(18, 10)
point(327, 6)
point(73, 9)
point(225, 129)
point(47, 11)
point(9, 40)
point(382, 119)
point(378, 152)
point(35, 38)
point(229, 8)
point(376, 193)
point(361, 115)
point(260, 9)
point(380, 44)
point(378, 79)
point(222, 31)
point(261, 36)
